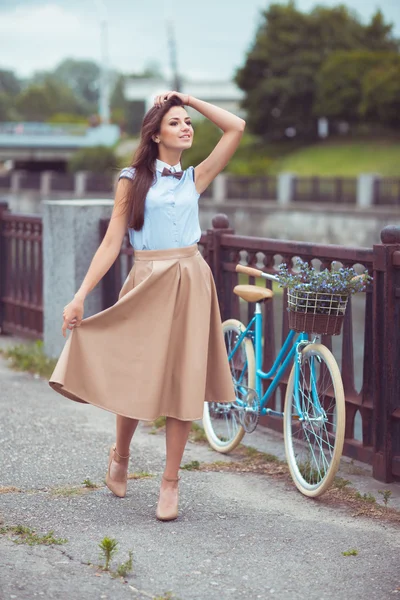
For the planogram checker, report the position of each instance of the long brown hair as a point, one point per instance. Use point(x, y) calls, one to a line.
point(144, 163)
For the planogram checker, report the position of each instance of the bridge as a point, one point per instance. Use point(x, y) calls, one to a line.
point(39, 146)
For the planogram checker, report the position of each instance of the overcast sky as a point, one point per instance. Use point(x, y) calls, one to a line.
point(212, 35)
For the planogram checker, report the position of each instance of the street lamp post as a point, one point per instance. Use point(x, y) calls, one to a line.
point(104, 92)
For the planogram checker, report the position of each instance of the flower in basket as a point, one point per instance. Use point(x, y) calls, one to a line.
point(320, 292)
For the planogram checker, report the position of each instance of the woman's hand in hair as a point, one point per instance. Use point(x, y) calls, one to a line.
point(73, 314)
point(162, 98)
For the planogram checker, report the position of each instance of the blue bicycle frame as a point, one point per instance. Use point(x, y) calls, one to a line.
point(286, 356)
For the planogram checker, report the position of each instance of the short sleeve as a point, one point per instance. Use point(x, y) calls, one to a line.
point(127, 173)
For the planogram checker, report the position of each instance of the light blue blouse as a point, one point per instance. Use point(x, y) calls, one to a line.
point(171, 214)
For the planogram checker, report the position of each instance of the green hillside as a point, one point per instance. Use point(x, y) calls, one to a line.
point(343, 159)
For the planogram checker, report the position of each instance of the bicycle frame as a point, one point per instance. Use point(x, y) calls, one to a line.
point(292, 345)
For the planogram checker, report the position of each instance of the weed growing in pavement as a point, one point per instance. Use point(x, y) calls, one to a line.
point(367, 497)
point(140, 475)
point(340, 483)
point(352, 552)
point(386, 496)
point(30, 357)
point(252, 452)
point(125, 568)
point(26, 535)
point(192, 466)
point(197, 433)
point(89, 484)
point(159, 422)
point(166, 596)
point(108, 547)
point(67, 491)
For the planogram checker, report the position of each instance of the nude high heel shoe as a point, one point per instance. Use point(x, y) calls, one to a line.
point(117, 486)
point(172, 513)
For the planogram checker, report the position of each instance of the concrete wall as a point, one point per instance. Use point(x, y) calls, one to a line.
point(70, 240)
point(322, 224)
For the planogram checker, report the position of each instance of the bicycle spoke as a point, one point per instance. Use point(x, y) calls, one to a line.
point(311, 430)
point(223, 423)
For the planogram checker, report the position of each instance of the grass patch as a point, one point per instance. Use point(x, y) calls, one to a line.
point(340, 158)
point(89, 484)
point(340, 483)
point(386, 496)
point(72, 490)
point(194, 465)
point(352, 552)
point(246, 459)
point(140, 475)
point(30, 357)
point(8, 489)
point(366, 497)
point(197, 433)
point(25, 535)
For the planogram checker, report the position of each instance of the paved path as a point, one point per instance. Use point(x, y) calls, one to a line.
point(238, 535)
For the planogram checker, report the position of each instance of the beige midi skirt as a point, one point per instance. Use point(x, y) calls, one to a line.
point(159, 350)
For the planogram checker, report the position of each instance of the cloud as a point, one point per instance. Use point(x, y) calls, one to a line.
point(39, 37)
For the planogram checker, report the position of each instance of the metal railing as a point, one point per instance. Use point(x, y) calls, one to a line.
point(21, 274)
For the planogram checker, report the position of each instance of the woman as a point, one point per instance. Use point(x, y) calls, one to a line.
point(159, 349)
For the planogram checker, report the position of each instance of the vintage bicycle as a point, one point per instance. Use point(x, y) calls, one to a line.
point(314, 407)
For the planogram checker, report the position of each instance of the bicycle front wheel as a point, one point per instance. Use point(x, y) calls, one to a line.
point(221, 420)
point(314, 424)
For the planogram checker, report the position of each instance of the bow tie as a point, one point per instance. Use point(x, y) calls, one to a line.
point(178, 174)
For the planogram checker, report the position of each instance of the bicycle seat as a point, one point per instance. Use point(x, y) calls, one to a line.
point(253, 293)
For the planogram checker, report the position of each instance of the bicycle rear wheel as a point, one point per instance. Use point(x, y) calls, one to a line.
point(314, 443)
point(221, 420)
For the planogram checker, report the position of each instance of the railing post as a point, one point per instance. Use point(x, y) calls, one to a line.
point(219, 188)
point(285, 188)
point(386, 355)
point(3, 263)
point(45, 183)
point(365, 189)
point(80, 184)
point(220, 225)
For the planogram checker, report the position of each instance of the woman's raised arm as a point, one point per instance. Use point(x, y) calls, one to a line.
point(232, 127)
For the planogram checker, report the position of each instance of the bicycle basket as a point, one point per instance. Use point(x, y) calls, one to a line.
point(316, 312)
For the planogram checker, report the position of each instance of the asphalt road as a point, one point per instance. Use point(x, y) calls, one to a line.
point(238, 535)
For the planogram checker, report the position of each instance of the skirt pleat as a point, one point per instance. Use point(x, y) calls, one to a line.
point(159, 350)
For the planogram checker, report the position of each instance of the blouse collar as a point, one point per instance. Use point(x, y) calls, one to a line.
point(160, 165)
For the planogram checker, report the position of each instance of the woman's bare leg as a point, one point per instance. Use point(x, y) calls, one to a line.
point(125, 430)
point(177, 433)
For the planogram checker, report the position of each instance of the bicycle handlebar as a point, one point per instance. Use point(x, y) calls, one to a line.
point(255, 272)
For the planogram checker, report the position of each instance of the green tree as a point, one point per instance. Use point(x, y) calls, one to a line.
point(9, 83)
point(99, 159)
point(340, 83)
point(290, 47)
point(40, 102)
point(34, 104)
point(381, 94)
point(82, 77)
